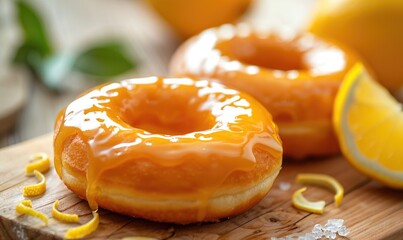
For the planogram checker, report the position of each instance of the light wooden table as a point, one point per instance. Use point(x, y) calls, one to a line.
point(370, 210)
point(75, 23)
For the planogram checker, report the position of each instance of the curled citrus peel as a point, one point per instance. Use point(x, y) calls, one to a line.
point(27, 203)
point(42, 164)
point(83, 230)
point(323, 180)
point(300, 202)
point(25, 207)
point(63, 217)
point(36, 189)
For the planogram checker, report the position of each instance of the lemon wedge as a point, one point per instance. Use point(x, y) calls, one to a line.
point(300, 202)
point(64, 217)
point(36, 189)
point(323, 180)
point(25, 207)
point(369, 125)
point(41, 163)
point(83, 230)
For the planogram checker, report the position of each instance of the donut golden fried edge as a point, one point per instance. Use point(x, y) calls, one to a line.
point(168, 149)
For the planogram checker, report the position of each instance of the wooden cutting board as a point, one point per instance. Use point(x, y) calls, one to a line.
point(370, 210)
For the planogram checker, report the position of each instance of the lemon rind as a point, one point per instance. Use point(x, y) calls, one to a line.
point(35, 189)
point(300, 202)
point(346, 137)
point(63, 217)
point(325, 181)
point(85, 229)
point(42, 164)
point(25, 208)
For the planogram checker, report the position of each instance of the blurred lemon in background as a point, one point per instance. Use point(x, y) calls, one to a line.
point(373, 28)
point(188, 18)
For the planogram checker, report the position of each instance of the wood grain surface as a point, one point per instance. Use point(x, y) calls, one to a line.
point(370, 211)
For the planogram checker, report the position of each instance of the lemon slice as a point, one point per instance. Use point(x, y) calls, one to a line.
point(323, 180)
point(300, 202)
point(25, 207)
point(36, 189)
point(369, 125)
point(42, 163)
point(64, 217)
point(83, 230)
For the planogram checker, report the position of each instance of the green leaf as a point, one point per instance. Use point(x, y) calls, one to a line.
point(28, 56)
point(55, 69)
point(34, 31)
point(36, 53)
point(23, 53)
point(104, 60)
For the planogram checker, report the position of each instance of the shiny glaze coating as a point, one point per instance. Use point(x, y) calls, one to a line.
point(295, 76)
point(167, 122)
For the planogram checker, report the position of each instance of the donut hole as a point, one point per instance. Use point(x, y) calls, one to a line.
point(285, 117)
point(272, 54)
point(164, 124)
point(166, 113)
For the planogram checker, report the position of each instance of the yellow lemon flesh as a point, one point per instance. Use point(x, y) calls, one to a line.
point(369, 124)
point(373, 28)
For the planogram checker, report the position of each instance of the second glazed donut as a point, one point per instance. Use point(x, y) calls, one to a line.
point(296, 77)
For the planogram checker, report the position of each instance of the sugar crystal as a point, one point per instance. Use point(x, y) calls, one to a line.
point(284, 186)
point(329, 234)
point(310, 236)
point(318, 235)
point(343, 231)
point(331, 228)
point(317, 228)
point(317, 231)
point(336, 222)
point(329, 231)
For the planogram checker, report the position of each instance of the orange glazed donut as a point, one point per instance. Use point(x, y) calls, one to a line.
point(167, 149)
point(295, 77)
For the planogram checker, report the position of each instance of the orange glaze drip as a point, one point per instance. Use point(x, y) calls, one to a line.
point(168, 122)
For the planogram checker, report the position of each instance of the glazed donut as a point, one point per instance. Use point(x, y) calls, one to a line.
point(295, 76)
point(167, 149)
